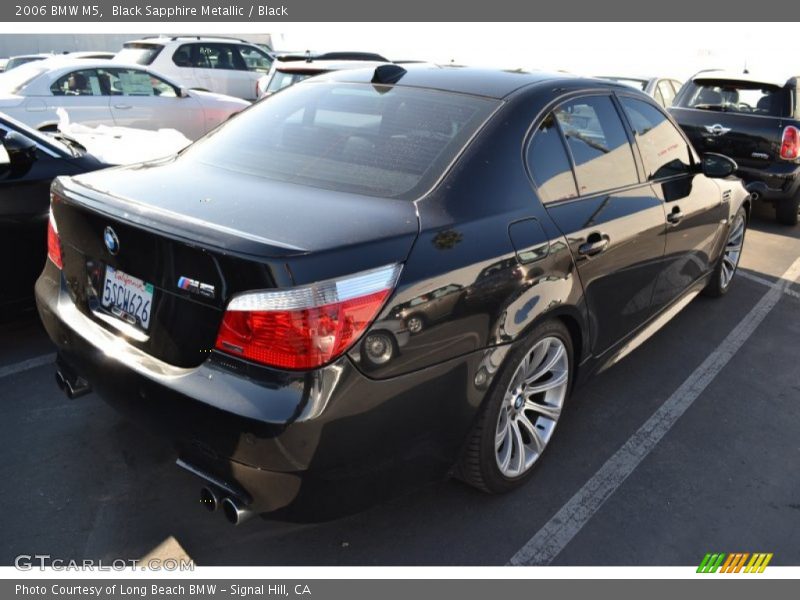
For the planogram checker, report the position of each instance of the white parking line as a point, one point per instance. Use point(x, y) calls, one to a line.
point(768, 283)
point(27, 364)
point(551, 539)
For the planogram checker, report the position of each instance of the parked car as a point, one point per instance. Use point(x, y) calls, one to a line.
point(289, 69)
point(663, 89)
point(215, 64)
point(105, 93)
point(754, 120)
point(223, 296)
point(24, 59)
point(29, 160)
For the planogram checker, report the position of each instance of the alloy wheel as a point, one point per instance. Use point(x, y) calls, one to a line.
point(531, 407)
point(732, 252)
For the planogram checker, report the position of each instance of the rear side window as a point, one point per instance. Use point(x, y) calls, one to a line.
point(254, 59)
point(209, 56)
point(735, 96)
point(371, 139)
point(549, 164)
point(84, 82)
point(138, 53)
point(667, 93)
point(599, 146)
point(664, 151)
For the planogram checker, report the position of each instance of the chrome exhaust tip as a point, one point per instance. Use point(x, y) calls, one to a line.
point(235, 512)
point(210, 498)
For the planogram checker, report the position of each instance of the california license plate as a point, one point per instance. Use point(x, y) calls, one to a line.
point(128, 298)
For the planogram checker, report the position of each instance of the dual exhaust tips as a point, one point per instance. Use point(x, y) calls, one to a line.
point(235, 511)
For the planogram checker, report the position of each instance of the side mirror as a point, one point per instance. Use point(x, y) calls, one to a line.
point(717, 166)
point(21, 151)
point(183, 92)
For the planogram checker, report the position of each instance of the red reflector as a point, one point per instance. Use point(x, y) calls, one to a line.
point(53, 243)
point(298, 339)
point(790, 145)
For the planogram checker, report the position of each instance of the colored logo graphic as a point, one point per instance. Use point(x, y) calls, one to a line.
point(735, 563)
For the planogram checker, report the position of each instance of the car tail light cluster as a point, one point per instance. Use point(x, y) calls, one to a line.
point(790, 144)
point(54, 243)
point(305, 327)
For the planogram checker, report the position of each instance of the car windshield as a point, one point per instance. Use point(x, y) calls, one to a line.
point(138, 54)
point(282, 79)
point(733, 96)
point(18, 61)
point(14, 81)
point(371, 139)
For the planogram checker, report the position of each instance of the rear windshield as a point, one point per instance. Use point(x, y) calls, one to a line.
point(136, 53)
point(734, 96)
point(282, 79)
point(369, 139)
point(18, 61)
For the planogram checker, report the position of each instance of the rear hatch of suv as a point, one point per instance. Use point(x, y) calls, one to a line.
point(740, 119)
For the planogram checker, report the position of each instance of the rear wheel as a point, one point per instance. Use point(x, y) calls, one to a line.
point(521, 414)
point(729, 261)
point(788, 211)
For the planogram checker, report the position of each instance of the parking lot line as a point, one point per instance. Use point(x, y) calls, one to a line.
point(27, 364)
point(562, 527)
point(768, 283)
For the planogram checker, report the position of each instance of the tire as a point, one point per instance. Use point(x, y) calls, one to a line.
point(788, 211)
point(480, 464)
point(415, 324)
point(728, 263)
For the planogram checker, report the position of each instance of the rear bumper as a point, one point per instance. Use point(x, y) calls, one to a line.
point(283, 440)
point(771, 186)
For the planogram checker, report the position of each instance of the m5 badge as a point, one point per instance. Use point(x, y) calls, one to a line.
point(197, 287)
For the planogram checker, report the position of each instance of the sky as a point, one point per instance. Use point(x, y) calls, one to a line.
point(664, 49)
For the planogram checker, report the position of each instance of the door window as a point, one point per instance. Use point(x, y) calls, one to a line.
point(549, 164)
point(664, 150)
point(598, 144)
point(133, 82)
point(216, 56)
point(667, 93)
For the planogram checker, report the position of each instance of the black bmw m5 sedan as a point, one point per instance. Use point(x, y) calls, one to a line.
point(242, 297)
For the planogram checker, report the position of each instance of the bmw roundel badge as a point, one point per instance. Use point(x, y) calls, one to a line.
point(111, 240)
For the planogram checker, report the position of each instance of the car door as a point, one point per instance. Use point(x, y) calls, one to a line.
point(219, 68)
point(145, 101)
point(257, 63)
point(586, 173)
point(694, 204)
point(82, 93)
point(24, 204)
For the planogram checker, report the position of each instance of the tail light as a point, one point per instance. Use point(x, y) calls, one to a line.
point(305, 327)
point(53, 242)
point(790, 144)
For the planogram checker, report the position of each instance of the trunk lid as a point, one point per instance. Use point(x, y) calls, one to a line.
point(752, 141)
point(223, 234)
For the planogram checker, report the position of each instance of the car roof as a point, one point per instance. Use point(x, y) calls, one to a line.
point(164, 40)
point(325, 66)
point(493, 83)
point(743, 77)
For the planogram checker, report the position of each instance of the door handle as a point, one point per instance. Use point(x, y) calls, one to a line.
point(123, 106)
point(595, 244)
point(675, 216)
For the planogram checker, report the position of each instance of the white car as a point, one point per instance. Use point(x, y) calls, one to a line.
point(223, 65)
point(99, 92)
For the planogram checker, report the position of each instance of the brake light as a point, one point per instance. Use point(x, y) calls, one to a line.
point(790, 145)
point(305, 327)
point(54, 242)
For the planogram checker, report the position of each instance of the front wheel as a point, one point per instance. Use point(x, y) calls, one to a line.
point(521, 414)
point(729, 261)
point(788, 211)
